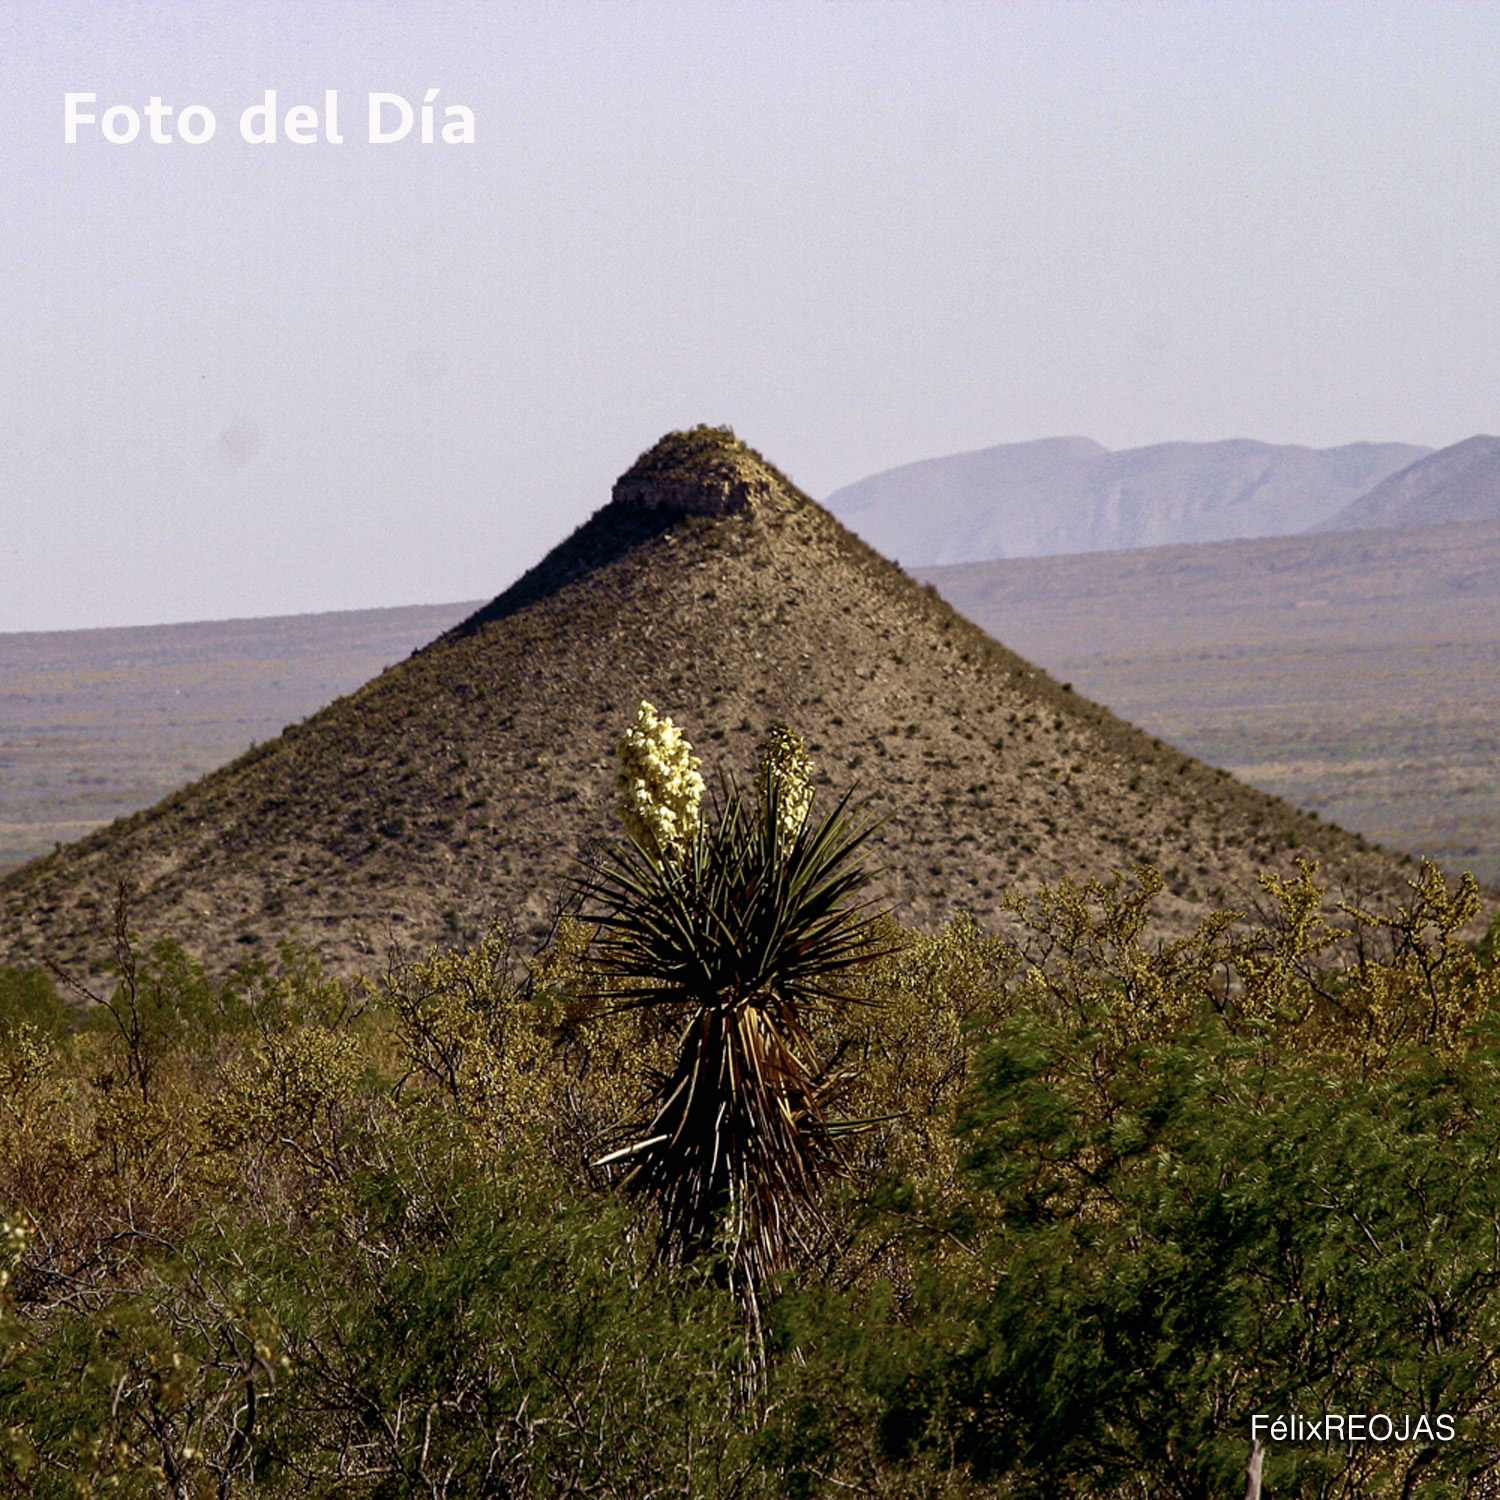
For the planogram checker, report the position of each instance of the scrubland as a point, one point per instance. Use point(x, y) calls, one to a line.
point(1095, 1200)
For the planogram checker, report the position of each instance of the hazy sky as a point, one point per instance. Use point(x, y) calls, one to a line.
point(261, 379)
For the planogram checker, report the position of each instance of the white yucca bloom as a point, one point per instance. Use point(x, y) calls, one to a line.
point(658, 782)
point(785, 766)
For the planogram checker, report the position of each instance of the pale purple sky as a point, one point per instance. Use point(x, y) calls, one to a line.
point(254, 380)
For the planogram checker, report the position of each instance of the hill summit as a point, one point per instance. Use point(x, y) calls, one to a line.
point(464, 783)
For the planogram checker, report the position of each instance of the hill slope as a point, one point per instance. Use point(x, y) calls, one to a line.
point(1354, 672)
point(95, 724)
point(463, 782)
point(1454, 486)
point(1066, 495)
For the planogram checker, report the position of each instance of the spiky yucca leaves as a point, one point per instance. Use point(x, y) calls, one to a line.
point(750, 932)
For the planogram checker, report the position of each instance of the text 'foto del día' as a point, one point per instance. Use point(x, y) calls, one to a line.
point(388, 118)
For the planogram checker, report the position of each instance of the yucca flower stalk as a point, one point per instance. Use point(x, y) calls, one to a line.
point(657, 778)
point(785, 769)
point(746, 934)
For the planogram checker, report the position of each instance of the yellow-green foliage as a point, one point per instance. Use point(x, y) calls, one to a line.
point(1086, 954)
point(285, 1098)
point(906, 1043)
point(143, 1158)
point(1414, 979)
point(1355, 984)
point(33, 1097)
point(469, 1027)
point(533, 1054)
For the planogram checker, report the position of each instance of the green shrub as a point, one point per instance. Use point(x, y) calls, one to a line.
point(29, 997)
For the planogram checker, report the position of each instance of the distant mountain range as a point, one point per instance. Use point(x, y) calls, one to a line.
point(1453, 486)
point(1070, 495)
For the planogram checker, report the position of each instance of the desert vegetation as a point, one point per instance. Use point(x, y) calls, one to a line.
point(733, 1186)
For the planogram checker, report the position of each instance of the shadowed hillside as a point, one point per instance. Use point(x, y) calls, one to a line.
point(465, 782)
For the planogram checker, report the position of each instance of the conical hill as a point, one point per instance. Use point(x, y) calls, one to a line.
point(462, 784)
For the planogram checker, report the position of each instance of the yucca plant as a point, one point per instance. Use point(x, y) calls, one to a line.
point(746, 927)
